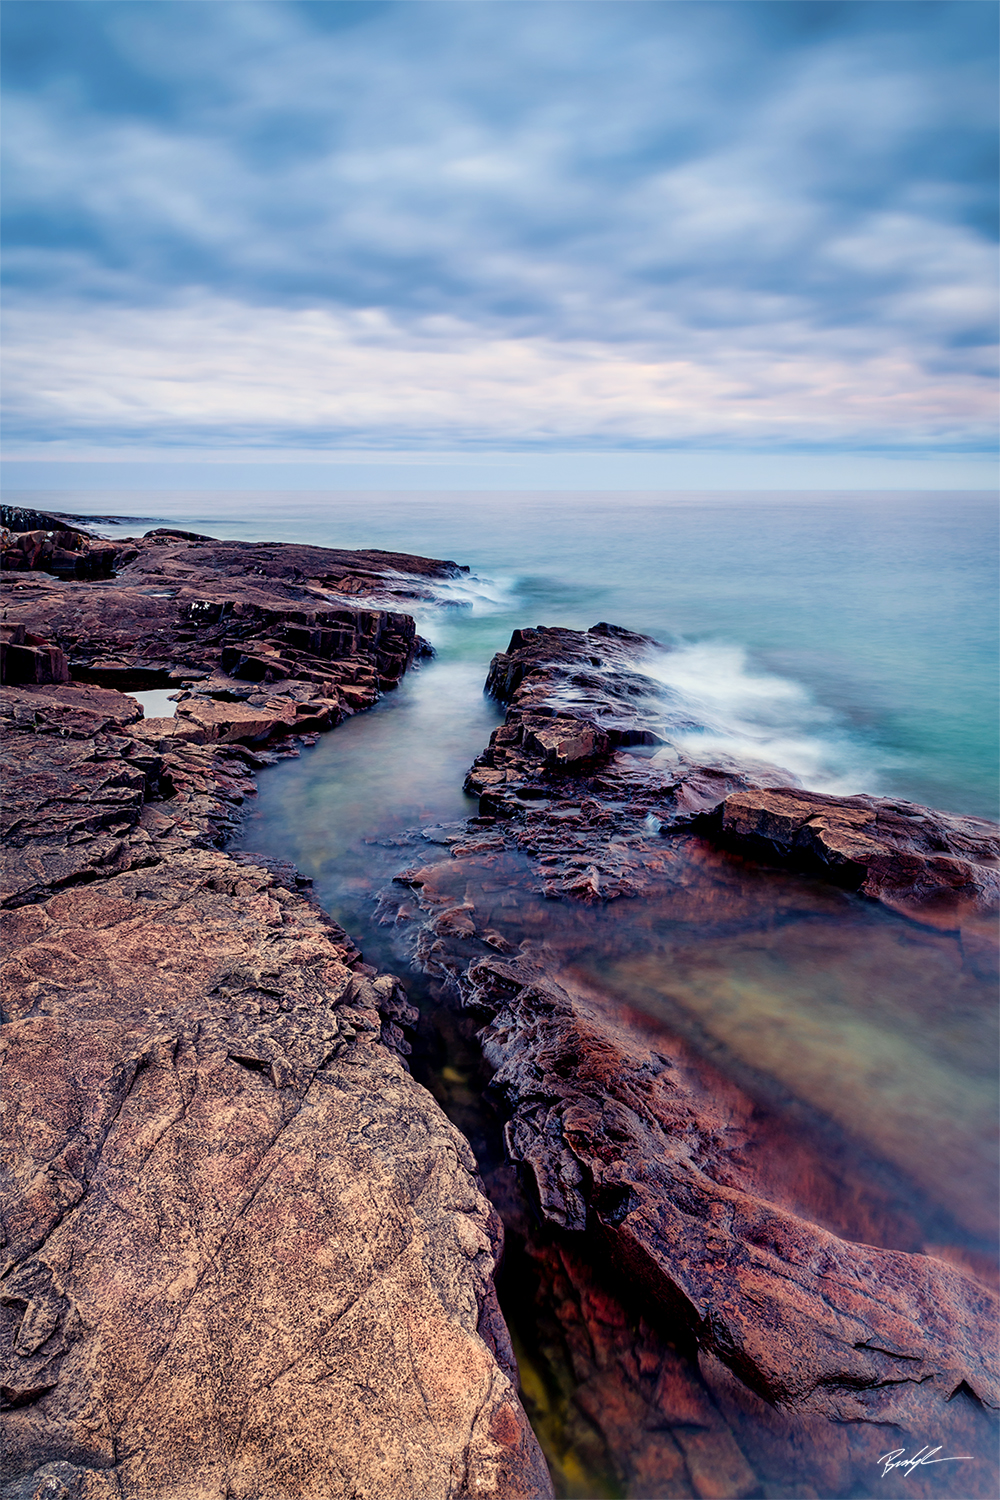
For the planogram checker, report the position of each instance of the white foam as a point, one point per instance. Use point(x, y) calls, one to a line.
point(482, 596)
point(750, 715)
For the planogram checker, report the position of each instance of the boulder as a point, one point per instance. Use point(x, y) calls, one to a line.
point(930, 865)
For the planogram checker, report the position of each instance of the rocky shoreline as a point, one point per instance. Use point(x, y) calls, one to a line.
point(246, 1253)
point(765, 1331)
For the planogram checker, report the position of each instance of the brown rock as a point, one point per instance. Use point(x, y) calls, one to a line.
point(232, 723)
point(812, 1339)
point(622, 1144)
point(246, 1252)
point(576, 697)
point(934, 866)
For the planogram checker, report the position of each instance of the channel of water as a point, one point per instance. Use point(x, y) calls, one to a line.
point(851, 1029)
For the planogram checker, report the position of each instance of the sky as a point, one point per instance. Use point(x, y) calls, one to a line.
point(682, 239)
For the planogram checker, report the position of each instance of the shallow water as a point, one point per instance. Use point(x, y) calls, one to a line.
point(157, 703)
point(868, 1033)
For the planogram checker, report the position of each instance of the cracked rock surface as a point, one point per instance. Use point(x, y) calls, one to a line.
point(244, 1253)
point(791, 1323)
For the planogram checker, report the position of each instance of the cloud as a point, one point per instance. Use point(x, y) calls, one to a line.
point(217, 370)
point(502, 223)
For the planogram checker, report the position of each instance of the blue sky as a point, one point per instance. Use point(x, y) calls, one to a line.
point(345, 231)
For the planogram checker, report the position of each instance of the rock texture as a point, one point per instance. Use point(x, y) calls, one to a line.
point(780, 1356)
point(241, 620)
point(618, 1136)
point(577, 697)
point(925, 864)
point(244, 1253)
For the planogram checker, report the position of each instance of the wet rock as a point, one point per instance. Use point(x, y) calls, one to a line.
point(796, 1347)
point(623, 1145)
point(234, 619)
point(925, 864)
point(576, 697)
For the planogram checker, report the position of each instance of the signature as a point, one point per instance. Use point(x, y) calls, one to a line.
point(897, 1460)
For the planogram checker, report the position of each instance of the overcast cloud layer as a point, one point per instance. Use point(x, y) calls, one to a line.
point(458, 225)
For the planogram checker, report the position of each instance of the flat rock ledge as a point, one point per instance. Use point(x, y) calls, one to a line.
point(244, 1253)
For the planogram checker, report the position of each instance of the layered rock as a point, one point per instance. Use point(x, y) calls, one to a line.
point(245, 1253)
point(929, 865)
point(233, 625)
point(575, 698)
point(784, 1346)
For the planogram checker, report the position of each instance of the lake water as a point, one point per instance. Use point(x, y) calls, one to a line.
point(851, 639)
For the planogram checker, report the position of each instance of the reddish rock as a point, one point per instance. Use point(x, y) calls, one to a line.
point(28, 658)
point(245, 1253)
point(796, 1348)
point(576, 697)
point(925, 864)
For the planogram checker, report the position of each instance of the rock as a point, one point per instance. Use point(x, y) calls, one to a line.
point(246, 1253)
point(932, 866)
point(780, 1347)
point(929, 865)
point(230, 723)
point(807, 1320)
point(28, 658)
point(261, 624)
point(631, 1149)
point(66, 554)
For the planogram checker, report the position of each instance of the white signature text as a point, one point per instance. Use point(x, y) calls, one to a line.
point(897, 1459)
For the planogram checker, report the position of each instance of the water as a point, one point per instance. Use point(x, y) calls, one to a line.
point(849, 637)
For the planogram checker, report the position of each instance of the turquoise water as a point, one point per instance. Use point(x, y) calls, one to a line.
point(851, 638)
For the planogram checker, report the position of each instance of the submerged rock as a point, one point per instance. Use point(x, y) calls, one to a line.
point(795, 1329)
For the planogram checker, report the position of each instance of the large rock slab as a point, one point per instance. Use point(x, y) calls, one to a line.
point(926, 864)
point(234, 621)
point(246, 1253)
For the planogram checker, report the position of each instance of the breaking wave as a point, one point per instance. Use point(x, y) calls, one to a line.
point(745, 714)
